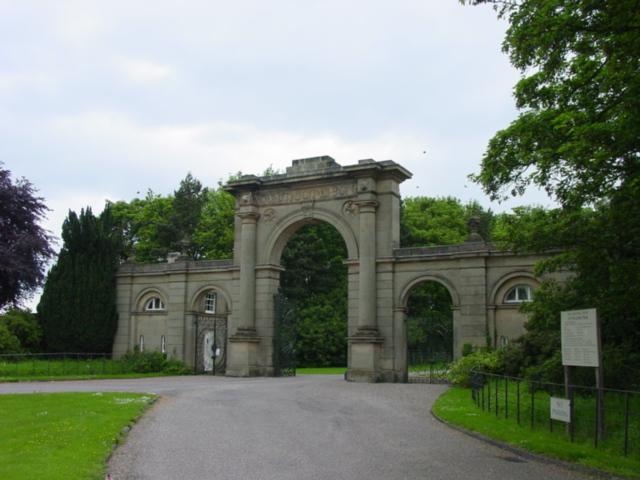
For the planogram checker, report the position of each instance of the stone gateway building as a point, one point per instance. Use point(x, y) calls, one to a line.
point(221, 314)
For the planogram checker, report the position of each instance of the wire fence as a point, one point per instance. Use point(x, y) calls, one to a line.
point(60, 364)
point(607, 418)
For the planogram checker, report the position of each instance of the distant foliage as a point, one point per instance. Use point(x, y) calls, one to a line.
point(195, 221)
point(427, 221)
point(24, 328)
point(430, 320)
point(315, 282)
point(77, 309)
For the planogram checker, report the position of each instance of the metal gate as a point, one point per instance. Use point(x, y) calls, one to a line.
point(425, 366)
point(211, 344)
point(284, 338)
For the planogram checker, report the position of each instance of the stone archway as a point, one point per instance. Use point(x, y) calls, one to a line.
point(363, 203)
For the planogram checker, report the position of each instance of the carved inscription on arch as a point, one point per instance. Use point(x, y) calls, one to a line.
point(285, 196)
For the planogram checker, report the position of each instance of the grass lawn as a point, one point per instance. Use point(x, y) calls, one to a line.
point(456, 407)
point(321, 371)
point(63, 435)
point(97, 376)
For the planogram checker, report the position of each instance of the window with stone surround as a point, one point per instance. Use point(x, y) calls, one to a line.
point(519, 294)
point(154, 304)
point(210, 301)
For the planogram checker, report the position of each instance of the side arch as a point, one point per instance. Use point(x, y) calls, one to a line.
point(404, 295)
point(291, 223)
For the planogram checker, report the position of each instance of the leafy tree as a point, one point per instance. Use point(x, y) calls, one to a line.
point(188, 201)
point(577, 136)
point(144, 224)
point(25, 327)
point(25, 247)
point(214, 232)
point(77, 309)
point(429, 221)
point(9, 343)
point(196, 221)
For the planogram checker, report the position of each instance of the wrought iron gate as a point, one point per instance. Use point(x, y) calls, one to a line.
point(211, 344)
point(284, 338)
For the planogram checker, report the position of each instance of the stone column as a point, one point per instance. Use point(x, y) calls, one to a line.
point(367, 324)
point(365, 345)
point(247, 322)
point(243, 344)
point(400, 339)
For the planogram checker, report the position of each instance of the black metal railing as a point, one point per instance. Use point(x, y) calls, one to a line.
point(607, 418)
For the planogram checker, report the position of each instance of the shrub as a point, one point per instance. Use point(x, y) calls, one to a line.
point(482, 360)
point(153, 362)
point(9, 343)
point(25, 327)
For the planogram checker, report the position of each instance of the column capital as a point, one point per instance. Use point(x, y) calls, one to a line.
point(248, 214)
point(367, 205)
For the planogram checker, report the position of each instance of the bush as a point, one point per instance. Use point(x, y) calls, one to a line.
point(153, 362)
point(25, 327)
point(9, 343)
point(482, 360)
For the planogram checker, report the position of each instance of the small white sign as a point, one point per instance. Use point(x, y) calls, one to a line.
point(579, 336)
point(560, 409)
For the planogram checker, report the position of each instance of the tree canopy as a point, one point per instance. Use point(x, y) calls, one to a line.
point(578, 133)
point(578, 137)
point(25, 247)
point(429, 221)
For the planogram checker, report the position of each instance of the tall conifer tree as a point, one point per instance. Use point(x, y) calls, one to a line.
point(78, 305)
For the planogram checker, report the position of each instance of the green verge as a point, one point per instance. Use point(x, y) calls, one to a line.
point(63, 435)
point(321, 371)
point(456, 407)
point(57, 378)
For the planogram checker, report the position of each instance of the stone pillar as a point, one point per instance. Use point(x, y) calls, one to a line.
point(366, 344)
point(367, 324)
point(247, 319)
point(400, 339)
point(243, 344)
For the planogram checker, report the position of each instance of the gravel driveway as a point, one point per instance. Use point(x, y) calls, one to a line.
point(310, 427)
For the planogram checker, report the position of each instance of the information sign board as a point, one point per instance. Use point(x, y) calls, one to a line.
point(560, 409)
point(579, 336)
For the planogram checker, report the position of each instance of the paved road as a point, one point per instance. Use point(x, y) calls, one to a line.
point(312, 427)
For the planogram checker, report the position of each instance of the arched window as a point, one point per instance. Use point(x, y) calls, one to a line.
point(154, 304)
point(519, 294)
point(210, 301)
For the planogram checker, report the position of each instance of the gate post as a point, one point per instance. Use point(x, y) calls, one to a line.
point(366, 344)
point(243, 344)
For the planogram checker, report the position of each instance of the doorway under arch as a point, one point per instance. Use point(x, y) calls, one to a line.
point(429, 331)
point(312, 300)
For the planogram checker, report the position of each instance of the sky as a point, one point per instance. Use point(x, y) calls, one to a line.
point(108, 99)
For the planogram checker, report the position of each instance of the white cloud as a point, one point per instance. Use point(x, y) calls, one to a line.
point(145, 72)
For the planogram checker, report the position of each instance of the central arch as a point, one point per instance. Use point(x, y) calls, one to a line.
point(290, 224)
point(311, 321)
